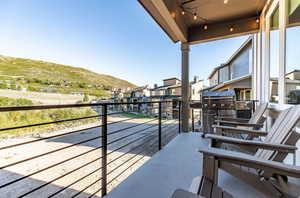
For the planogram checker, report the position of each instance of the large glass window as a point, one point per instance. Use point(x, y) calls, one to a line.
point(274, 56)
point(292, 75)
point(224, 74)
point(240, 66)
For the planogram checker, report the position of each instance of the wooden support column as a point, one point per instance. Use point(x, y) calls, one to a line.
point(185, 115)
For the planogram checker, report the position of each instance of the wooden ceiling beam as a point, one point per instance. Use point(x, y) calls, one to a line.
point(168, 17)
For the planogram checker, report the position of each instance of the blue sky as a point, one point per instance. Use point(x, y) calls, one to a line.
point(115, 37)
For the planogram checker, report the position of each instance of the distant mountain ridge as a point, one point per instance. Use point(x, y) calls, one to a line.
point(41, 75)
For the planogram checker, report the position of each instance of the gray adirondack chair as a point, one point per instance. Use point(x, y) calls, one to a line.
point(266, 162)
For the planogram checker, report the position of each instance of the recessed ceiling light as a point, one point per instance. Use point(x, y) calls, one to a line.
point(226, 1)
point(195, 16)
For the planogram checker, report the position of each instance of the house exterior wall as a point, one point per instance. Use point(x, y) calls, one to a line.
point(171, 81)
point(196, 87)
point(295, 75)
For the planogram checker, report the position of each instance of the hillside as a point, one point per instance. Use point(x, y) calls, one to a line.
point(17, 73)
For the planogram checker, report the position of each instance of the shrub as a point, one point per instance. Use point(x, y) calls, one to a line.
point(85, 98)
point(22, 118)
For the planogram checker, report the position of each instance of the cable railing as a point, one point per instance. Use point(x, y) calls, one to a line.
point(90, 160)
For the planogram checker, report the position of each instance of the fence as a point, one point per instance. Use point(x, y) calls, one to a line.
point(76, 161)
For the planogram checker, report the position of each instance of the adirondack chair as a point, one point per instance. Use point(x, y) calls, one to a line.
point(255, 122)
point(275, 147)
point(280, 133)
point(207, 189)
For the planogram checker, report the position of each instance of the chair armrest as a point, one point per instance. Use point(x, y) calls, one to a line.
point(251, 161)
point(241, 130)
point(239, 123)
point(232, 119)
point(252, 143)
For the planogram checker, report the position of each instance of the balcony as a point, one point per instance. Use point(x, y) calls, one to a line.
point(115, 157)
point(85, 155)
point(176, 166)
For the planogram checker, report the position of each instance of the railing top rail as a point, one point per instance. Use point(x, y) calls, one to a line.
point(42, 107)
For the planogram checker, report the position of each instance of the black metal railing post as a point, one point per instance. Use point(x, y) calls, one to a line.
point(193, 121)
point(104, 150)
point(179, 117)
point(159, 126)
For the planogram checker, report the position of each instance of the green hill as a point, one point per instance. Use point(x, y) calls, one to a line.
point(20, 73)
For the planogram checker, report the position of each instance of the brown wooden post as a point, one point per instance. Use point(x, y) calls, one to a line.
point(185, 115)
point(210, 168)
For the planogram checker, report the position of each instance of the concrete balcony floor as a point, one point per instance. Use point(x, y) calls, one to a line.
point(175, 166)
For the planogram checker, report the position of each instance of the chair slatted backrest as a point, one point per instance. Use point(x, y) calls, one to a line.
point(281, 131)
point(258, 114)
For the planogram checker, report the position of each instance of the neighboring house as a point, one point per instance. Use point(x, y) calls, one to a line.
point(139, 92)
point(292, 87)
point(195, 89)
point(170, 91)
point(236, 73)
point(195, 94)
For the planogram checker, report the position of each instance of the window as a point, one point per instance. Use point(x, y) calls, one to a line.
point(241, 64)
point(274, 55)
point(292, 69)
point(224, 74)
point(248, 95)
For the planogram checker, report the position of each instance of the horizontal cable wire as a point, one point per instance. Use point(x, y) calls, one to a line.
point(82, 167)
point(136, 132)
point(42, 107)
point(50, 137)
point(95, 170)
point(78, 193)
point(120, 130)
point(126, 136)
point(149, 132)
point(50, 152)
point(130, 165)
point(125, 170)
point(61, 176)
point(76, 181)
point(111, 123)
point(120, 112)
point(95, 193)
point(127, 160)
point(51, 166)
point(46, 123)
point(147, 135)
